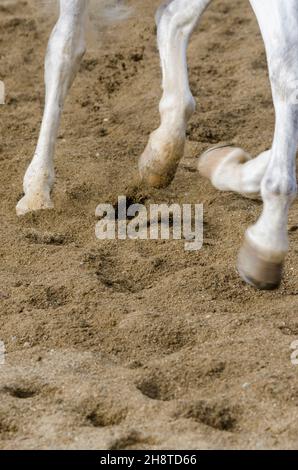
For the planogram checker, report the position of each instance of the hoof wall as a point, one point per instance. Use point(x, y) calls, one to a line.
point(33, 203)
point(158, 164)
point(256, 271)
point(154, 180)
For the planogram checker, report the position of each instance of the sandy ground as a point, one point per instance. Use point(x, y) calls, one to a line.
point(138, 344)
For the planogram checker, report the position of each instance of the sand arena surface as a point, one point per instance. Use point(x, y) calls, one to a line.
point(138, 344)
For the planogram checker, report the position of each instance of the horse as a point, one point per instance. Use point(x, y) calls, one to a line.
point(270, 176)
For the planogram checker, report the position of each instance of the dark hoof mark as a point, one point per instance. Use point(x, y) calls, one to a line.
point(21, 392)
point(103, 417)
point(150, 390)
point(45, 238)
point(128, 440)
point(124, 275)
point(49, 297)
point(290, 329)
point(7, 426)
point(220, 417)
point(154, 390)
point(135, 194)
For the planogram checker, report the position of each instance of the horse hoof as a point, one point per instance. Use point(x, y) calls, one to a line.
point(222, 164)
point(159, 162)
point(153, 179)
point(212, 158)
point(258, 271)
point(33, 203)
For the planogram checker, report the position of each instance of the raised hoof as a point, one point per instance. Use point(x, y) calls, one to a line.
point(221, 163)
point(213, 157)
point(257, 271)
point(33, 203)
point(157, 168)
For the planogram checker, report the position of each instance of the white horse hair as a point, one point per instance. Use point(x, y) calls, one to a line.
point(108, 10)
point(271, 175)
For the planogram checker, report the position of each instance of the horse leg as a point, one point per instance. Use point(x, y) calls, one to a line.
point(266, 243)
point(176, 21)
point(232, 169)
point(65, 51)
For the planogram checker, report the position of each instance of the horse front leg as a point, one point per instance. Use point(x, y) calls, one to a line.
point(176, 21)
point(65, 50)
point(266, 243)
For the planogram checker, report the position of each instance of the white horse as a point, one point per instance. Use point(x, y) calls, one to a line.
point(272, 174)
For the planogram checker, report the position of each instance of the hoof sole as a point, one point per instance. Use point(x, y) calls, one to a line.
point(217, 163)
point(213, 157)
